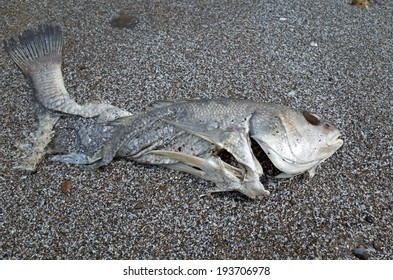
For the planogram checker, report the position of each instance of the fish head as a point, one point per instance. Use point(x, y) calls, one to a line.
point(295, 141)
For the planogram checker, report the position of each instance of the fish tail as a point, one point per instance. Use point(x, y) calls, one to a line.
point(38, 53)
point(34, 48)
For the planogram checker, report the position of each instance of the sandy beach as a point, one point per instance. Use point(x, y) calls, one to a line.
point(328, 57)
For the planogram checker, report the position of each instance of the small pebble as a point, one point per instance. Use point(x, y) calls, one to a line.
point(369, 219)
point(377, 245)
point(360, 3)
point(66, 186)
point(124, 21)
point(163, 187)
point(360, 253)
point(139, 205)
point(292, 93)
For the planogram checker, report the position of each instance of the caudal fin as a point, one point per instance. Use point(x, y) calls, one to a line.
point(38, 53)
point(35, 47)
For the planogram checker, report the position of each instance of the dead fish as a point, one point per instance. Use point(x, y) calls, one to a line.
point(184, 135)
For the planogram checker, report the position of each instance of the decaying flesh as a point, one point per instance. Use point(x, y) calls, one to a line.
point(184, 135)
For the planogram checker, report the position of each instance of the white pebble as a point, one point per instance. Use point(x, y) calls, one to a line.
point(292, 93)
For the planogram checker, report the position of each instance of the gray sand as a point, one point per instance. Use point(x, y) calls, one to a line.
point(326, 56)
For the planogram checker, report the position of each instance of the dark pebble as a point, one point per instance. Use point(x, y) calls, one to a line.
point(369, 219)
point(139, 205)
point(360, 253)
point(163, 187)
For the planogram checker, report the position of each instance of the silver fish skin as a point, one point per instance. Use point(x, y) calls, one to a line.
point(184, 135)
point(294, 141)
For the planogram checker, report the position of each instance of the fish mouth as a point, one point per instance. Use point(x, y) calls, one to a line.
point(336, 140)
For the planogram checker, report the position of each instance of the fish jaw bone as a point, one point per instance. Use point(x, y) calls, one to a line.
point(250, 187)
point(212, 168)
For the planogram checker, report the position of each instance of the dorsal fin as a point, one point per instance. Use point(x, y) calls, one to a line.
point(165, 103)
point(162, 103)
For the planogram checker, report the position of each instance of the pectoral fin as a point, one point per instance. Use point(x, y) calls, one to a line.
point(211, 168)
point(165, 103)
point(81, 159)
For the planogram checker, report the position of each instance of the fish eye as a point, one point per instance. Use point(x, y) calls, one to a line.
point(312, 119)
